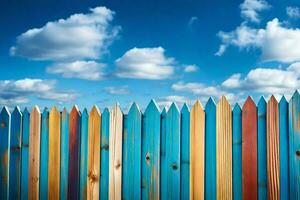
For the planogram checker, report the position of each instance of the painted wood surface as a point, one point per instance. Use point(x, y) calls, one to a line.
point(249, 150)
point(74, 150)
point(163, 158)
point(104, 166)
point(237, 153)
point(132, 146)
point(15, 154)
point(64, 154)
point(262, 149)
point(44, 152)
point(94, 154)
point(294, 145)
point(224, 149)
point(185, 153)
point(4, 152)
point(115, 153)
point(210, 151)
point(54, 154)
point(284, 148)
point(197, 147)
point(273, 149)
point(151, 152)
point(25, 154)
point(83, 176)
point(34, 153)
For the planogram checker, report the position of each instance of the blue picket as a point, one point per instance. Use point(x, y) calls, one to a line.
point(262, 149)
point(44, 152)
point(237, 152)
point(132, 142)
point(64, 154)
point(25, 154)
point(104, 156)
point(4, 152)
point(185, 153)
point(210, 150)
point(294, 146)
point(151, 152)
point(83, 155)
point(163, 159)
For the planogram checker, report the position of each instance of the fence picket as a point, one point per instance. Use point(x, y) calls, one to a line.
point(83, 176)
point(25, 154)
point(44, 154)
point(163, 158)
point(64, 154)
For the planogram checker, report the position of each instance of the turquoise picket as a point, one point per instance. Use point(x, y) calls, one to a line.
point(4, 152)
point(15, 154)
point(237, 152)
point(151, 152)
point(132, 146)
point(185, 153)
point(64, 154)
point(163, 159)
point(284, 149)
point(104, 157)
point(44, 152)
point(294, 146)
point(262, 150)
point(83, 155)
point(210, 151)
point(25, 155)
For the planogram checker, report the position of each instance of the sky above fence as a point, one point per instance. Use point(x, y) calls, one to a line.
point(100, 52)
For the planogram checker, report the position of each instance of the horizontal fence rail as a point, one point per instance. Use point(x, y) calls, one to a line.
point(211, 152)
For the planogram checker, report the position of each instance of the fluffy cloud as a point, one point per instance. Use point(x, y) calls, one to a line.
point(120, 90)
point(168, 100)
point(78, 37)
point(292, 12)
point(250, 9)
point(19, 91)
point(88, 70)
point(276, 42)
point(190, 68)
point(145, 63)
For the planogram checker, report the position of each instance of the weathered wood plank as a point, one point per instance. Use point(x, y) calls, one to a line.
point(115, 156)
point(249, 150)
point(54, 154)
point(197, 151)
point(94, 154)
point(25, 154)
point(163, 158)
point(210, 150)
point(132, 147)
point(84, 155)
point(185, 153)
point(151, 152)
point(34, 153)
point(74, 149)
point(64, 154)
point(104, 166)
point(15, 155)
point(44, 154)
point(4, 153)
point(224, 149)
point(294, 145)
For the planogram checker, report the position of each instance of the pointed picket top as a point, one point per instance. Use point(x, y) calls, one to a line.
point(164, 111)
point(134, 108)
point(54, 110)
point(95, 112)
point(283, 100)
point(210, 103)
point(85, 112)
point(185, 108)
point(273, 100)
point(117, 108)
point(5, 111)
point(105, 111)
point(45, 111)
point(152, 106)
point(35, 110)
point(173, 108)
point(249, 102)
point(224, 101)
point(261, 101)
point(237, 109)
point(25, 111)
point(198, 105)
point(295, 96)
point(75, 110)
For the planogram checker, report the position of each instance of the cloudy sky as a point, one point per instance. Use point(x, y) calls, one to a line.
point(102, 52)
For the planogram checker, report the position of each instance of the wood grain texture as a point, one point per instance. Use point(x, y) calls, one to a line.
point(64, 154)
point(115, 156)
point(224, 149)
point(94, 154)
point(74, 149)
point(54, 154)
point(197, 147)
point(83, 176)
point(25, 154)
point(34, 153)
point(44, 152)
point(249, 150)
point(4, 153)
point(163, 158)
point(15, 154)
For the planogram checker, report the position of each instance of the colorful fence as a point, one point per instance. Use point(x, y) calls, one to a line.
point(218, 152)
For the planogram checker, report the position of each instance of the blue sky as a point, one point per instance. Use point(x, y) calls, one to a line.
point(101, 52)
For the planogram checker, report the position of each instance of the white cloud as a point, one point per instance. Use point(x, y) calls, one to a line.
point(120, 90)
point(250, 9)
point(292, 12)
point(80, 36)
point(190, 68)
point(145, 63)
point(168, 100)
point(88, 70)
point(277, 43)
point(19, 91)
point(221, 50)
point(192, 21)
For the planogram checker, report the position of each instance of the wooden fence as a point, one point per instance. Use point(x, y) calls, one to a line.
point(211, 152)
